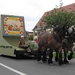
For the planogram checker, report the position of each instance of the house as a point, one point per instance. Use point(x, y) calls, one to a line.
point(37, 28)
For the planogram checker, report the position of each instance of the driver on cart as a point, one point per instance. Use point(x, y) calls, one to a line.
point(22, 44)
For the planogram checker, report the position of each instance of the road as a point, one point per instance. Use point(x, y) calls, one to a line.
point(29, 66)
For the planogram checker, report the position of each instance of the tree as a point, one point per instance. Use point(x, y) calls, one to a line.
point(59, 17)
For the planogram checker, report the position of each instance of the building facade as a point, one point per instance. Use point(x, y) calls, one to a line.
point(40, 24)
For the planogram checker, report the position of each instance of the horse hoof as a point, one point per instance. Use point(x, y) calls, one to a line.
point(50, 62)
point(69, 57)
point(38, 59)
point(61, 63)
point(44, 60)
point(66, 62)
point(56, 59)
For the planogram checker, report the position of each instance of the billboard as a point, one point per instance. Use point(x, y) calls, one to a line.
point(13, 25)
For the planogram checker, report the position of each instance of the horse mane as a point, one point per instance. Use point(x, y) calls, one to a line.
point(56, 36)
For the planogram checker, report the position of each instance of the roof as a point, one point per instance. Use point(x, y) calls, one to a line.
point(68, 8)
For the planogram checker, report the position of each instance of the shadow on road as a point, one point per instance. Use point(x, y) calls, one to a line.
point(25, 57)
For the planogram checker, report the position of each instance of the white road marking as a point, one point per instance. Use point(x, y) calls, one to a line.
point(18, 72)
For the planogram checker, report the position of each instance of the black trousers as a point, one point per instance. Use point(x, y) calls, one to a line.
point(24, 47)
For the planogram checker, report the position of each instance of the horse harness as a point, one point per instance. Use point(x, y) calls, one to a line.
point(56, 36)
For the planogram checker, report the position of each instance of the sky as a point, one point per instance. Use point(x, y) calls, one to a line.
point(32, 10)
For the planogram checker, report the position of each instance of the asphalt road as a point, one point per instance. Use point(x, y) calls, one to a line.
point(29, 66)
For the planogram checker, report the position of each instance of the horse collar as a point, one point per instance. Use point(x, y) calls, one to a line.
point(56, 36)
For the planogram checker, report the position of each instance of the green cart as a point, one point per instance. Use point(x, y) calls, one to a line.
point(11, 28)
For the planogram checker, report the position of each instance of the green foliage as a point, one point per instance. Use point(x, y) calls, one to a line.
point(74, 55)
point(54, 54)
point(59, 17)
point(32, 45)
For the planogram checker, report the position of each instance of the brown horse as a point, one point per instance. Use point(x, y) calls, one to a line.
point(53, 41)
point(42, 40)
point(68, 45)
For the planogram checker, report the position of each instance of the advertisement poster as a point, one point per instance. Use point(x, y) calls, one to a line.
point(13, 25)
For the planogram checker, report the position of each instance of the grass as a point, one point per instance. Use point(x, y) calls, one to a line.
point(74, 55)
point(54, 54)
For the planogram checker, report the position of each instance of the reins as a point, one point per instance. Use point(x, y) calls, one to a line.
point(56, 37)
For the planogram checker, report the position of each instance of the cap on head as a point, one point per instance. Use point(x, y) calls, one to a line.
point(22, 36)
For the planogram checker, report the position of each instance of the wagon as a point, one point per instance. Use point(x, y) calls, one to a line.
point(11, 28)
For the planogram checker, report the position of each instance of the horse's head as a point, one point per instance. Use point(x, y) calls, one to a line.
point(71, 32)
point(61, 31)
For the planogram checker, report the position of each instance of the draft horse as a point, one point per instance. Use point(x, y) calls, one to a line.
point(68, 45)
point(53, 41)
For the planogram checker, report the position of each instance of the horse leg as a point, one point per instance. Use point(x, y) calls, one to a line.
point(70, 56)
point(50, 57)
point(38, 54)
point(44, 59)
point(56, 57)
point(60, 58)
point(65, 56)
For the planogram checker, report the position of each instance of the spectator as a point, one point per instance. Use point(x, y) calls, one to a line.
point(36, 40)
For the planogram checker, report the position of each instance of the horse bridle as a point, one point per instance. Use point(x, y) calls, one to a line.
point(69, 38)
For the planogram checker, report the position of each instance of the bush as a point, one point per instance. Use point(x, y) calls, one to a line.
point(32, 45)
